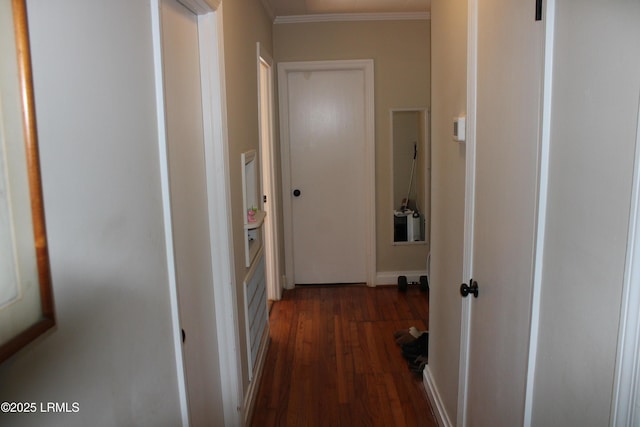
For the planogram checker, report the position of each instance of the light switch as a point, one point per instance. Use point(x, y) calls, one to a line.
point(459, 129)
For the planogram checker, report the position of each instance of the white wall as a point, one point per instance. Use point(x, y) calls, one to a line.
point(596, 85)
point(112, 351)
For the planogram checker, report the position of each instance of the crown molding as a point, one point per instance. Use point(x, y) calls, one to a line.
point(346, 17)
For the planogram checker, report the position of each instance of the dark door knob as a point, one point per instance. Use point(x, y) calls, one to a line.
point(471, 288)
point(296, 193)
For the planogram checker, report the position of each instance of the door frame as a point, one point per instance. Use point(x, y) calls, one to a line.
point(211, 43)
point(543, 190)
point(470, 196)
point(469, 208)
point(365, 65)
point(268, 156)
point(626, 390)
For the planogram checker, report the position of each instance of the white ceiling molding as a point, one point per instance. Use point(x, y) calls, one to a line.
point(343, 17)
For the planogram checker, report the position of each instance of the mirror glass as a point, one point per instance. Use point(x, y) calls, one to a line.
point(410, 175)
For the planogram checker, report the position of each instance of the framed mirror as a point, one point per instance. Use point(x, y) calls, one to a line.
point(26, 301)
point(411, 175)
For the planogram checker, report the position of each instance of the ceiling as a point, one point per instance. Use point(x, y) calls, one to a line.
point(310, 7)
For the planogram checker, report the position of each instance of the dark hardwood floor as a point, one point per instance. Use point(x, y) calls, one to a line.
point(333, 360)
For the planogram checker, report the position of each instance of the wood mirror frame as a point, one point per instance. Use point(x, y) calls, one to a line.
point(24, 329)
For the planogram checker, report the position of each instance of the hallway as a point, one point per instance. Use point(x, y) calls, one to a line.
point(333, 361)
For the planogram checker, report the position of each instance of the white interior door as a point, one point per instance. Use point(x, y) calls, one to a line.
point(189, 211)
point(509, 77)
point(326, 112)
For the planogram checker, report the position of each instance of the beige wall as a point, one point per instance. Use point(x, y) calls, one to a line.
point(401, 52)
point(245, 22)
point(449, 32)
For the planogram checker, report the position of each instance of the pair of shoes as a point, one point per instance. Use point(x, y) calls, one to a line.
point(419, 347)
point(410, 354)
point(407, 336)
point(417, 366)
point(419, 344)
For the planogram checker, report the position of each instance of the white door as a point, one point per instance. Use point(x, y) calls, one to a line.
point(509, 77)
point(190, 220)
point(328, 188)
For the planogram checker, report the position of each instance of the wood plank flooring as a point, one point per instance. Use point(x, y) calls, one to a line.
point(333, 360)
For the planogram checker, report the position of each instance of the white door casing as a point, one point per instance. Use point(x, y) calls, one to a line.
point(543, 190)
point(625, 405)
point(268, 171)
point(213, 124)
point(469, 207)
point(327, 128)
point(211, 43)
point(187, 181)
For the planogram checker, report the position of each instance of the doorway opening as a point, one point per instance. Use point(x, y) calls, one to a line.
point(328, 172)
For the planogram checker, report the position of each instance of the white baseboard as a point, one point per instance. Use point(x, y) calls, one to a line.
point(435, 399)
point(391, 277)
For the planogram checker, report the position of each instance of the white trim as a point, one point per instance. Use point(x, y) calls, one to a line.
point(211, 44)
point(271, 231)
point(391, 277)
point(350, 17)
point(437, 404)
point(166, 209)
point(370, 167)
point(624, 404)
point(200, 7)
point(286, 177)
point(365, 65)
point(543, 190)
point(214, 126)
point(470, 194)
point(264, 54)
